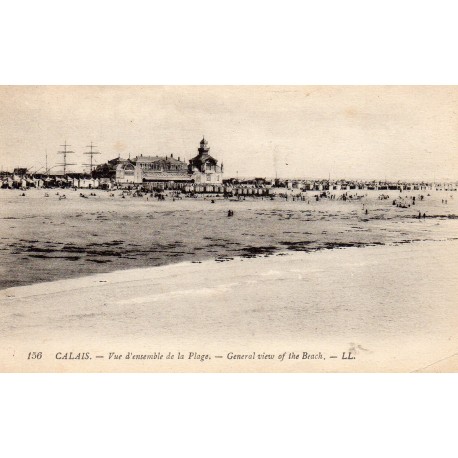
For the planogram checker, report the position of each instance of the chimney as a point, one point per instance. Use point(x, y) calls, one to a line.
point(178, 157)
point(171, 155)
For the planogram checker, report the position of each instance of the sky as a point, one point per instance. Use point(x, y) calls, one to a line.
point(354, 132)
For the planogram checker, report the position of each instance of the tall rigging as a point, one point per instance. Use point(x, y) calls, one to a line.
point(91, 154)
point(64, 153)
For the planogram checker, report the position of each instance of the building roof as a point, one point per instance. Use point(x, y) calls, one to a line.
point(152, 159)
point(202, 159)
point(125, 166)
point(116, 161)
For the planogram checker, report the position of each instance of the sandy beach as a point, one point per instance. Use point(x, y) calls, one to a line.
point(392, 307)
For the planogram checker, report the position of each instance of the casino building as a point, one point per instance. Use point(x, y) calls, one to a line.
point(152, 170)
point(166, 170)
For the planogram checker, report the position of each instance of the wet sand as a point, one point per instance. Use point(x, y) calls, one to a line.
point(45, 239)
point(393, 307)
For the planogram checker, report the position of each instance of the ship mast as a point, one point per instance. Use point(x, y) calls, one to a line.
point(64, 155)
point(91, 154)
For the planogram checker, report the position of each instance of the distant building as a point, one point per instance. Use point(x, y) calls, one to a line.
point(204, 168)
point(109, 169)
point(128, 173)
point(161, 169)
point(152, 169)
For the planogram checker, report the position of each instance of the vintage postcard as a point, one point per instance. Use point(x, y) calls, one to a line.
point(228, 229)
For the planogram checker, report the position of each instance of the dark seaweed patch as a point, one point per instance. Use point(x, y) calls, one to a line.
point(253, 251)
point(332, 245)
point(68, 258)
point(297, 246)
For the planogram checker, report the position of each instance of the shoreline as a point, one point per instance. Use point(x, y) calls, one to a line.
point(295, 255)
point(46, 239)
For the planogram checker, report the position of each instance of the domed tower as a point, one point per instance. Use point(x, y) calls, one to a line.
point(204, 148)
point(203, 167)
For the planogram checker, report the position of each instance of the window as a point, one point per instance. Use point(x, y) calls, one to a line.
point(209, 177)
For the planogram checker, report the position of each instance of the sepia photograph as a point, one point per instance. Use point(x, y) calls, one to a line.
point(228, 228)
